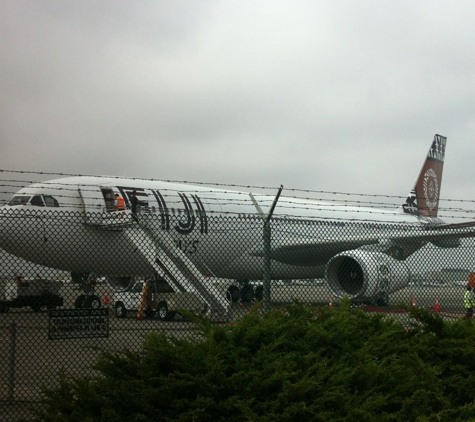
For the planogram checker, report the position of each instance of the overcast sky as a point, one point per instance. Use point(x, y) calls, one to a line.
point(322, 95)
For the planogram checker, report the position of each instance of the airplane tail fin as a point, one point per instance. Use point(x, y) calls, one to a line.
point(423, 199)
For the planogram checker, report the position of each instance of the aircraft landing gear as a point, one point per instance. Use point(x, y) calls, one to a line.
point(88, 300)
point(233, 293)
point(383, 301)
point(259, 293)
point(92, 302)
point(245, 292)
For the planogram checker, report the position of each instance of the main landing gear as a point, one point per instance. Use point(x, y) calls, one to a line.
point(245, 292)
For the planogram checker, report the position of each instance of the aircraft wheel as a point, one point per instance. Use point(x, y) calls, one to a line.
point(92, 302)
point(247, 294)
point(383, 301)
point(232, 294)
point(163, 313)
point(120, 310)
point(259, 293)
point(78, 303)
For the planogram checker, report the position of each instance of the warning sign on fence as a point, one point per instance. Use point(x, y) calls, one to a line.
point(78, 323)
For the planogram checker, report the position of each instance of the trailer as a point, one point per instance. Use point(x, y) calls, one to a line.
point(145, 301)
point(35, 293)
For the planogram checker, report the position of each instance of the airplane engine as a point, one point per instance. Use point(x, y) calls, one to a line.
point(365, 276)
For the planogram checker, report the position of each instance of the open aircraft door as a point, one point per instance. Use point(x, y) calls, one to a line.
point(96, 202)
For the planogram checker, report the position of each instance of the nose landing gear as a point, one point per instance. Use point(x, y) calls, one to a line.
point(88, 300)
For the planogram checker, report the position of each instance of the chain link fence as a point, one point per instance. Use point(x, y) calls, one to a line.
point(93, 282)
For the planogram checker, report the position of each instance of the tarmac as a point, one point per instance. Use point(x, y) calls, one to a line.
point(30, 360)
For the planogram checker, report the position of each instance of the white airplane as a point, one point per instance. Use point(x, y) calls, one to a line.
point(73, 224)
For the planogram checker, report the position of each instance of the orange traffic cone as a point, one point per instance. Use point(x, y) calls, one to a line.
point(106, 297)
point(437, 306)
point(413, 301)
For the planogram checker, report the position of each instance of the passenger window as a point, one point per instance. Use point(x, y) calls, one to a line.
point(36, 200)
point(50, 201)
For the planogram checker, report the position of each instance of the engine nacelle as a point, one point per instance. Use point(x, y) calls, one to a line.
point(363, 275)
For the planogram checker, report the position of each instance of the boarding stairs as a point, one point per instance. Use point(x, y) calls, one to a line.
point(175, 267)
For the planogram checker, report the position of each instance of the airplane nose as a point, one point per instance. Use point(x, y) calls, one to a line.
point(14, 231)
point(4, 227)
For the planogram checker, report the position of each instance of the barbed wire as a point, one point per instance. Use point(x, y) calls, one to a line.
point(288, 204)
point(199, 183)
point(353, 206)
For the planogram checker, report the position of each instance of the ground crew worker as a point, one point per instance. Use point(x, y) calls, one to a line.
point(119, 202)
point(134, 202)
point(469, 301)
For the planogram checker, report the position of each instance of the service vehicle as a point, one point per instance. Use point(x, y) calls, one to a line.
point(35, 293)
point(145, 301)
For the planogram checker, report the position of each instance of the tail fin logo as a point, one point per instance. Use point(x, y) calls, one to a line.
point(423, 200)
point(431, 189)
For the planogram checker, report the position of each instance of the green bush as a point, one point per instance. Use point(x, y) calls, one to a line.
point(300, 364)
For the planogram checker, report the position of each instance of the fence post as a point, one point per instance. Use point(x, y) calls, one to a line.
point(266, 270)
point(11, 372)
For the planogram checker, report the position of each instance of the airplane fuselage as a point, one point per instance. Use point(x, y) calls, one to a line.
point(219, 230)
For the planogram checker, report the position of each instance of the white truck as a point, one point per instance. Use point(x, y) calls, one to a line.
point(144, 300)
point(35, 293)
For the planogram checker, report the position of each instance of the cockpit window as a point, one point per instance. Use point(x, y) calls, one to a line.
point(19, 200)
point(50, 201)
point(37, 200)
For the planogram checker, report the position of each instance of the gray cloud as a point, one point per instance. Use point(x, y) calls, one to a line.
point(329, 95)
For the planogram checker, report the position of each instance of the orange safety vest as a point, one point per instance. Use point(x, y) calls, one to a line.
point(471, 280)
point(120, 203)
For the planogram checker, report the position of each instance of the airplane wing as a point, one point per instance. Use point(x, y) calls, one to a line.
point(313, 252)
point(320, 251)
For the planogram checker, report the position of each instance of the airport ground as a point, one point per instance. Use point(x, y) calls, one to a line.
point(30, 360)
